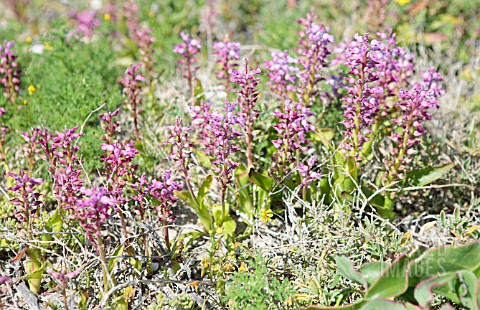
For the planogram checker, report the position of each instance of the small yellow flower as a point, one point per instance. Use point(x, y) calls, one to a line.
point(28, 40)
point(228, 267)
point(48, 46)
point(107, 17)
point(219, 231)
point(151, 14)
point(403, 2)
point(266, 215)
point(243, 268)
point(31, 89)
point(25, 102)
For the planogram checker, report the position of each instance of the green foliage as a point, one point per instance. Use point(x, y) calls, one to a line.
point(453, 272)
point(258, 289)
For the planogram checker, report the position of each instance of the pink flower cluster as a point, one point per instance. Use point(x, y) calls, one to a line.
point(163, 191)
point(306, 171)
point(27, 199)
point(377, 72)
point(94, 210)
point(414, 105)
point(315, 42)
point(9, 71)
point(86, 23)
point(228, 54)
point(188, 51)
point(282, 72)
point(65, 169)
point(293, 127)
point(217, 137)
point(133, 85)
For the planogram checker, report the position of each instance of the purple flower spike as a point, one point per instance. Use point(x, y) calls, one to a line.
point(163, 191)
point(133, 86)
point(9, 71)
point(228, 54)
point(247, 98)
point(292, 127)
point(315, 42)
point(218, 135)
point(26, 198)
point(282, 72)
point(188, 50)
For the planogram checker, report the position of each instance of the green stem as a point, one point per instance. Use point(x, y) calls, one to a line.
point(103, 259)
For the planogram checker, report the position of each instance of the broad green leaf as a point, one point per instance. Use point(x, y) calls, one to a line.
point(345, 268)
point(201, 211)
point(140, 146)
point(112, 261)
point(445, 259)
point(203, 159)
point(392, 282)
point(35, 269)
point(55, 224)
point(427, 175)
point(383, 304)
point(462, 289)
point(261, 180)
point(245, 203)
point(120, 304)
point(377, 201)
point(372, 271)
point(424, 290)
point(229, 226)
point(354, 306)
point(198, 92)
point(203, 190)
point(217, 215)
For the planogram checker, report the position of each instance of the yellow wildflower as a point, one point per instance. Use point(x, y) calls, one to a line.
point(106, 17)
point(228, 267)
point(48, 46)
point(403, 2)
point(219, 230)
point(31, 89)
point(25, 102)
point(28, 40)
point(242, 267)
point(266, 215)
point(151, 14)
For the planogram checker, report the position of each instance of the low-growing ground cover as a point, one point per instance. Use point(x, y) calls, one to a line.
point(243, 155)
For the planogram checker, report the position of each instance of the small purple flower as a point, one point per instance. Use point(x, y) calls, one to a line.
point(4, 280)
point(180, 142)
point(94, 209)
point(61, 277)
point(109, 125)
point(306, 172)
point(414, 106)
